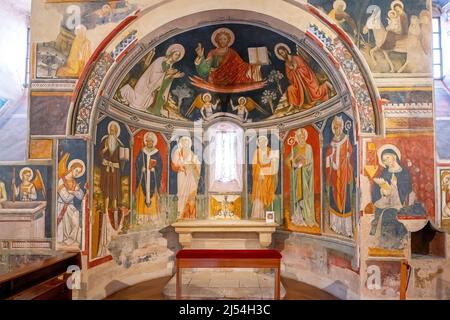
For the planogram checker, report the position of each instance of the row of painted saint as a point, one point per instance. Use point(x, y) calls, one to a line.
point(391, 193)
point(222, 70)
point(149, 167)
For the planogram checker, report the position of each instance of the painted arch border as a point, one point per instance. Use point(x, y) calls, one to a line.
point(89, 88)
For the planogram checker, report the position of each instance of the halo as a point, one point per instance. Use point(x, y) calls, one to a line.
point(445, 175)
point(393, 12)
point(26, 168)
point(117, 125)
point(397, 2)
point(245, 99)
point(153, 135)
point(261, 137)
point(281, 45)
point(206, 94)
point(176, 47)
point(83, 170)
point(301, 130)
point(185, 138)
point(335, 4)
point(222, 30)
point(384, 147)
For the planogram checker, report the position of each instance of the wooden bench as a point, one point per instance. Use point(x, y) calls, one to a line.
point(263, 258)
point(40, 280)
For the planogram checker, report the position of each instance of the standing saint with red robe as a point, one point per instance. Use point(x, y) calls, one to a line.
point(339, 179)
point(305, 89)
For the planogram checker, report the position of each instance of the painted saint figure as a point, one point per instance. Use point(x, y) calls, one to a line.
point(264, 177)
point(445, 196)
point(151, 92)
point(26, 191)
point(79, 55)
point(339, 15)
point(304, 90)
point(187, 165)
point(302, 181)
point(392, 193)
point(223, 65)
point(241, 108)
point(3, 195)
point(339, 179)
point(148, 180)
point(208, 107)
point(68, 216)
point(398, 26)
point(110, 173)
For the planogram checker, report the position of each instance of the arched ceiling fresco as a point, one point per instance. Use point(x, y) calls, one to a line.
point(241, 69)
point(251, 78)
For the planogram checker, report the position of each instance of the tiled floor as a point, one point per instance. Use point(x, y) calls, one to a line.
point(226, 284)
point(153, 289)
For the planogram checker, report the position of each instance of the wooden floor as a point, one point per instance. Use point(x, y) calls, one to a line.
point(152, 290)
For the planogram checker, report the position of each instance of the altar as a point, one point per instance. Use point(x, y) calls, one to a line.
point(224, 234)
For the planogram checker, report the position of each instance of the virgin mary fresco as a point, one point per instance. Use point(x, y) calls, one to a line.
point(392, 195)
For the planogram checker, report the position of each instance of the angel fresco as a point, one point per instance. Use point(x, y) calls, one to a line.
point(151, 92)
point(304, 90)
point(68, 215)
point(246, 105)
point(445, 194)
point(204, 103)
point(223, 69)
point(26, 191)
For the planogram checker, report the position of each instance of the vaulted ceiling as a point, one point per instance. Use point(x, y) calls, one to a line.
point(441, 2)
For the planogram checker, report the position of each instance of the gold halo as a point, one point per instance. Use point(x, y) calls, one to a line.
point(281, 45)
point(261, 137)
point(394, 3)
point(185, 138)
point(71, 163)
point(26, 168)
point(176, 47)
point(222, 30)
point(206, 94)
point(117, 125)
point(153, 135)
point(245, 99)
point(301, 130)
point(335, 4)
point(384, 147)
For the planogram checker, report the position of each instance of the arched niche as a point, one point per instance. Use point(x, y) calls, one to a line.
point(355, 100)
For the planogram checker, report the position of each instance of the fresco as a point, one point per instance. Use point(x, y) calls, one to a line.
point(339, 165)
point(72, 194)
point(187, 175)
point(112, 169)
point(68, 53)
point(383, 278)
point(301, 193)
point(444, 182)
point(264, 176)
point(149, 179)
point(41, 149)
point(225, 68)
point(400, 174)
point(27, 188)
point(48, 113)
point(394, 36)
